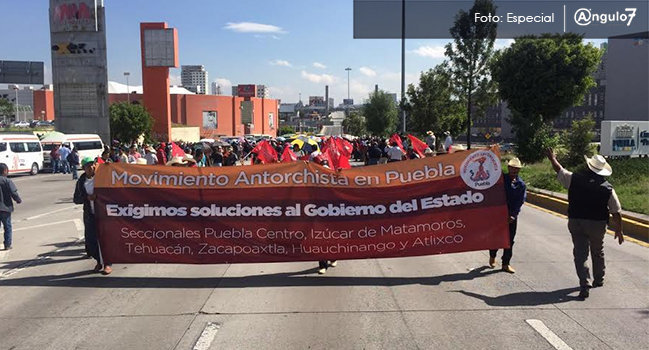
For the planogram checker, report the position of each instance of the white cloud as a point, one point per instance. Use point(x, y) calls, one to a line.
point(367, 71)
point(251, 27)
point(318, 78)
point(430, 51)
point(282, 63)
point(222, 82)
point(319, 65)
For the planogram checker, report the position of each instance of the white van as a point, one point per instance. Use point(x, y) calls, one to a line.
point(88, 145)
point(22, 153)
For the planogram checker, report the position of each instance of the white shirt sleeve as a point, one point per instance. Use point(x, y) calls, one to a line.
point(614, 205)
point(564, 177)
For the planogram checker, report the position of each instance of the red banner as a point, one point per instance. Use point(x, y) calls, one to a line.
point(301, 211)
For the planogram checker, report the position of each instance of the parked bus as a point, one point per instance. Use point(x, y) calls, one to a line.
point(88, 145)
point(22, 153)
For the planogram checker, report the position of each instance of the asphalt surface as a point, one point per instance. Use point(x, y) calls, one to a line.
point(50, 299)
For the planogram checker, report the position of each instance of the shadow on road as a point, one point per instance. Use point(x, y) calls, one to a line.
point(305, 278)
point(531, 298)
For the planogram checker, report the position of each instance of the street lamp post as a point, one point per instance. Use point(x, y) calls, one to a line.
point(15, 87)
point(128, 89)
point(348, 70)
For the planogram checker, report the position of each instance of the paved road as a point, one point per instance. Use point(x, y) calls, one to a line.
point(435, 302)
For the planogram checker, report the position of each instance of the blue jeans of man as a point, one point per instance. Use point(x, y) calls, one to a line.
point(73, 169)
point(55, 166)
point(5, 218)
point(65, 166)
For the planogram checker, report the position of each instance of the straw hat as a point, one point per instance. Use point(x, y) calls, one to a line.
point(177, 160)
point(515, 163)
point(429, 132)
point(151, 149)
point(428, 151)
point(598, 165)
point(141, 161)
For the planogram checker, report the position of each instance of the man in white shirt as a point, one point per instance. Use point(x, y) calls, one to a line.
point(395, 153)
point(590, 200)
point(448, 142)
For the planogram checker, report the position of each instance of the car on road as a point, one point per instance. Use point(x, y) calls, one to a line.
point(21, 124)
point(22, 153)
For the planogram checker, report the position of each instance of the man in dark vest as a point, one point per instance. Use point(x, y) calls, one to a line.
point(590, 200)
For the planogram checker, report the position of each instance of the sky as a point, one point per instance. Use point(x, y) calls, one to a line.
point(291, 46)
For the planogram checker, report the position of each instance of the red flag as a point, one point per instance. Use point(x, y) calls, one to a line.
point(100, 160)
point(418, 145)
point(176, 151)
point(338, 151)
point(288, 155)
point(265, 152)
point(396, 138)
point(345, 149)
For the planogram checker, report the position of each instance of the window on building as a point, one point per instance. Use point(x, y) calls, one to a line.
point(271, 121)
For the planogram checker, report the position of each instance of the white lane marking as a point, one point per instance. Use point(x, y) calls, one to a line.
point(207, 337)
point(77, 224)
point(50, 212)
point(549, 335)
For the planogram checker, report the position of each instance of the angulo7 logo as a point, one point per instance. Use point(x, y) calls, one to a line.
point(584, 16)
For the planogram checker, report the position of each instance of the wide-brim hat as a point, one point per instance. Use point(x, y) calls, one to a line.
point(598, 165)
point(176, 160)
point(151, 149)
point(515, 163)
point(429, 132)
point(141, 161)
point(447, 132)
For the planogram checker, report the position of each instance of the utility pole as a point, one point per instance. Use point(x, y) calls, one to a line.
point(348, 70)
point(403, 63)
point(128, 96)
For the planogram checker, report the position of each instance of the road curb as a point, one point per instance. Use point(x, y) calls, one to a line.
point(635, 226)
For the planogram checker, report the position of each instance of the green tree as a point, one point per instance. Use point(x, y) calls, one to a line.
point(285, 129)
point(577, 140)
point(470, 54)
point(380, 114)
point(539, 77)
point(433, 104)
point(128, 122)
point(354, 124)
point(6, 108)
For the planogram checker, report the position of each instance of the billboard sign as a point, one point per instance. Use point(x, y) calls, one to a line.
point(21, 72)
point(248, 90)
point(74, 16)
point(625, 138)
point(160, 47)
point(348, 102)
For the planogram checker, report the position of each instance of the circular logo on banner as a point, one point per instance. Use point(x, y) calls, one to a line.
point(481, 170)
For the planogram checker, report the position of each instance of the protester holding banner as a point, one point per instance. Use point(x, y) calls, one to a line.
point(84, 194)
point(515, 192)
point(323, 265)
point(590, 200)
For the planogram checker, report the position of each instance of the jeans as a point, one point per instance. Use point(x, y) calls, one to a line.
point(588, 236)
point(90, 236)
point(5, 218)
point(55, 166)
point(507, 253)
point(73, 169)
point(65, 166)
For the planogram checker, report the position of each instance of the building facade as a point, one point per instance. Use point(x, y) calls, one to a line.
point(194, 78)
